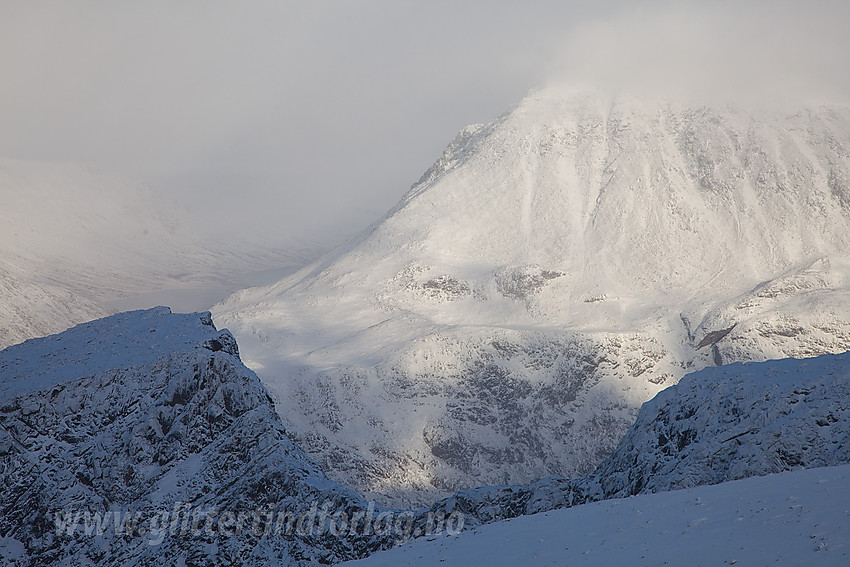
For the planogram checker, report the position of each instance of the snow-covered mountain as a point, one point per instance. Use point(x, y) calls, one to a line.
point(75, 240)
point(552, 271)
point(132, 439)
point(141, 438)
point(794, 518)
point(716, 425)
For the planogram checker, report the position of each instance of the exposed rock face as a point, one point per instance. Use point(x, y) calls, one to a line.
point(142, 439)
point(716, 425)
point(551, 272)
point(148, 423)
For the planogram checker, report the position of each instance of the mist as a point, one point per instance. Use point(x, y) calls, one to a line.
point(752, 52)
point(301, 123)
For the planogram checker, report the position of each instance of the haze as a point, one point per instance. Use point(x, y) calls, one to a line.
point(306, 121)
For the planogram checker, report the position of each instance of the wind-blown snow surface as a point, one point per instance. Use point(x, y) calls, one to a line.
point(794, 518)
point(551, 272)
point(74, 239)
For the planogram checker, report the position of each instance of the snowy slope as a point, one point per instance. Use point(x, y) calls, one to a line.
point(794, 518)
point(74, 240)
point(144, 415)
point(733, 422)
point(551, 272)
point(29, 309)
point(715, 425)
point(151, 415)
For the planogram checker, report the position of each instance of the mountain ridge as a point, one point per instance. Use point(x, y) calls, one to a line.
point(550, 273)
point(142, 438)
point(147, 425)
point(716, 425)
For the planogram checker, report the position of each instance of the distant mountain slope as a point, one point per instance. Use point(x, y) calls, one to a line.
point(551, 272)
point(74, 240)
point(141, 438)
point(62, 223)
point(715, 425)
point(149, 422)
point(31, 310)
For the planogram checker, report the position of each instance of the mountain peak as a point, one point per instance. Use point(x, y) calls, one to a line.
point(105, 344)
point(618, 188)
point(553, 270)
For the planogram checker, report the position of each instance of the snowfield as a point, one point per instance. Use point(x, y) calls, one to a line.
point(551, 272)
point(794, 518)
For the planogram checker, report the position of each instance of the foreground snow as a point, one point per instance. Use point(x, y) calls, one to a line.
point(147, 425)
point(794, 518)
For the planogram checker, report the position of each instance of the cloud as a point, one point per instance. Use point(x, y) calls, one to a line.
point(280, 118)
point(754, 50)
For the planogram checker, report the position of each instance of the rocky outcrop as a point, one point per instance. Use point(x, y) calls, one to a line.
point(142, 439)
point(716, 425)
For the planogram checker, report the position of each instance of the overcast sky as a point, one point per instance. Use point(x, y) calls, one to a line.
point(279, 118)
